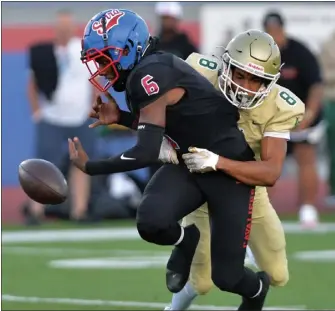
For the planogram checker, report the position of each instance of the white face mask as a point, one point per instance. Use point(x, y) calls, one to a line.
point(242, 97)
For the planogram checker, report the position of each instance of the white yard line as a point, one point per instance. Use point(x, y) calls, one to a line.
point(117, 234)
point(113, 257)
point(294, 227)
point(69, 235)
point(66, 251)
point(316, 256)
point(115, 303)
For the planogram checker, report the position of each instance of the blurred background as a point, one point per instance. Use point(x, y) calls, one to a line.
point(41, 51)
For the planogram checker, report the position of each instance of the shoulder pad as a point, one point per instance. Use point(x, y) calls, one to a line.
point(208, 66)
point(289, 111)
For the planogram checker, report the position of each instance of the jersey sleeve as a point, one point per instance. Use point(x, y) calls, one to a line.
point(151, 82)
point(290, 112)
point(208, 66)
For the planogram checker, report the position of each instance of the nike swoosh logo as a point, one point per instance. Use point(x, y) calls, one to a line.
point(125, 158)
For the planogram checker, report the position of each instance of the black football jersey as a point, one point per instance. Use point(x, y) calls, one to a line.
point(202, 118)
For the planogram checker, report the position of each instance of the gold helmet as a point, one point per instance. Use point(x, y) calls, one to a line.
point(255, 52)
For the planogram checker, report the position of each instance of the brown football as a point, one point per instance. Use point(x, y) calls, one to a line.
point(42, 181)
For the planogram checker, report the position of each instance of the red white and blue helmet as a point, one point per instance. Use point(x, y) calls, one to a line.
point(118, 36)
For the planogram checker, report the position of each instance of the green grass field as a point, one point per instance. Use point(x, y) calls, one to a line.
point(105, 268)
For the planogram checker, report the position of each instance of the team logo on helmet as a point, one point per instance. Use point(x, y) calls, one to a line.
point(112, 19)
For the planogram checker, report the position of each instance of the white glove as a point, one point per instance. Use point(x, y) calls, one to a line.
point(200, 160)
point(167, 153)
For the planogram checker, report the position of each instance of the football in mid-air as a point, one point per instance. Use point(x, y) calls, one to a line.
point(42, 181)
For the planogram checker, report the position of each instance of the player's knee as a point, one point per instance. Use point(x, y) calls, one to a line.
point(147, 231)
point(150, 224)
point(279, 276)
point(155, 231)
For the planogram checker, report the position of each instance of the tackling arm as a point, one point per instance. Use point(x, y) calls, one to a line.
point(273, 145)
point(258, 173)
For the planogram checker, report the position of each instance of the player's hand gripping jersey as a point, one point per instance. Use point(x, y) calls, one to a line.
point(280, 112)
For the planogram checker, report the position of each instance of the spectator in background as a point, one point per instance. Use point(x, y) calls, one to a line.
point(301, 74)
point(171, 39)
point(60, 97)
point(327, 57)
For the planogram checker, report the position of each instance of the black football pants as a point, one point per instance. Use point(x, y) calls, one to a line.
point(173, 192)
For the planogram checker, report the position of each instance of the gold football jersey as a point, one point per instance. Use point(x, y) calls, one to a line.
point(280, 112)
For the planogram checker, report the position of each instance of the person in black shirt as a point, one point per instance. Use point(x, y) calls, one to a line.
point(302, 75)
point(171, 39)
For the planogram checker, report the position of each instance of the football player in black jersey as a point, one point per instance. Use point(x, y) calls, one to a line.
point(166, 96)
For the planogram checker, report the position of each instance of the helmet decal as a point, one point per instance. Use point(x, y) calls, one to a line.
point(112, 20)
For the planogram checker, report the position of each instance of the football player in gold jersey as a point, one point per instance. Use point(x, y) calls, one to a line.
point(247, 76)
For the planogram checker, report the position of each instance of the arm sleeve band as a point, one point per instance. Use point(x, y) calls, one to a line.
point(144, 153)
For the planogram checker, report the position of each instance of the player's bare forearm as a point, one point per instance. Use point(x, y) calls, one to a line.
point(258, 173)
point(255, 173)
